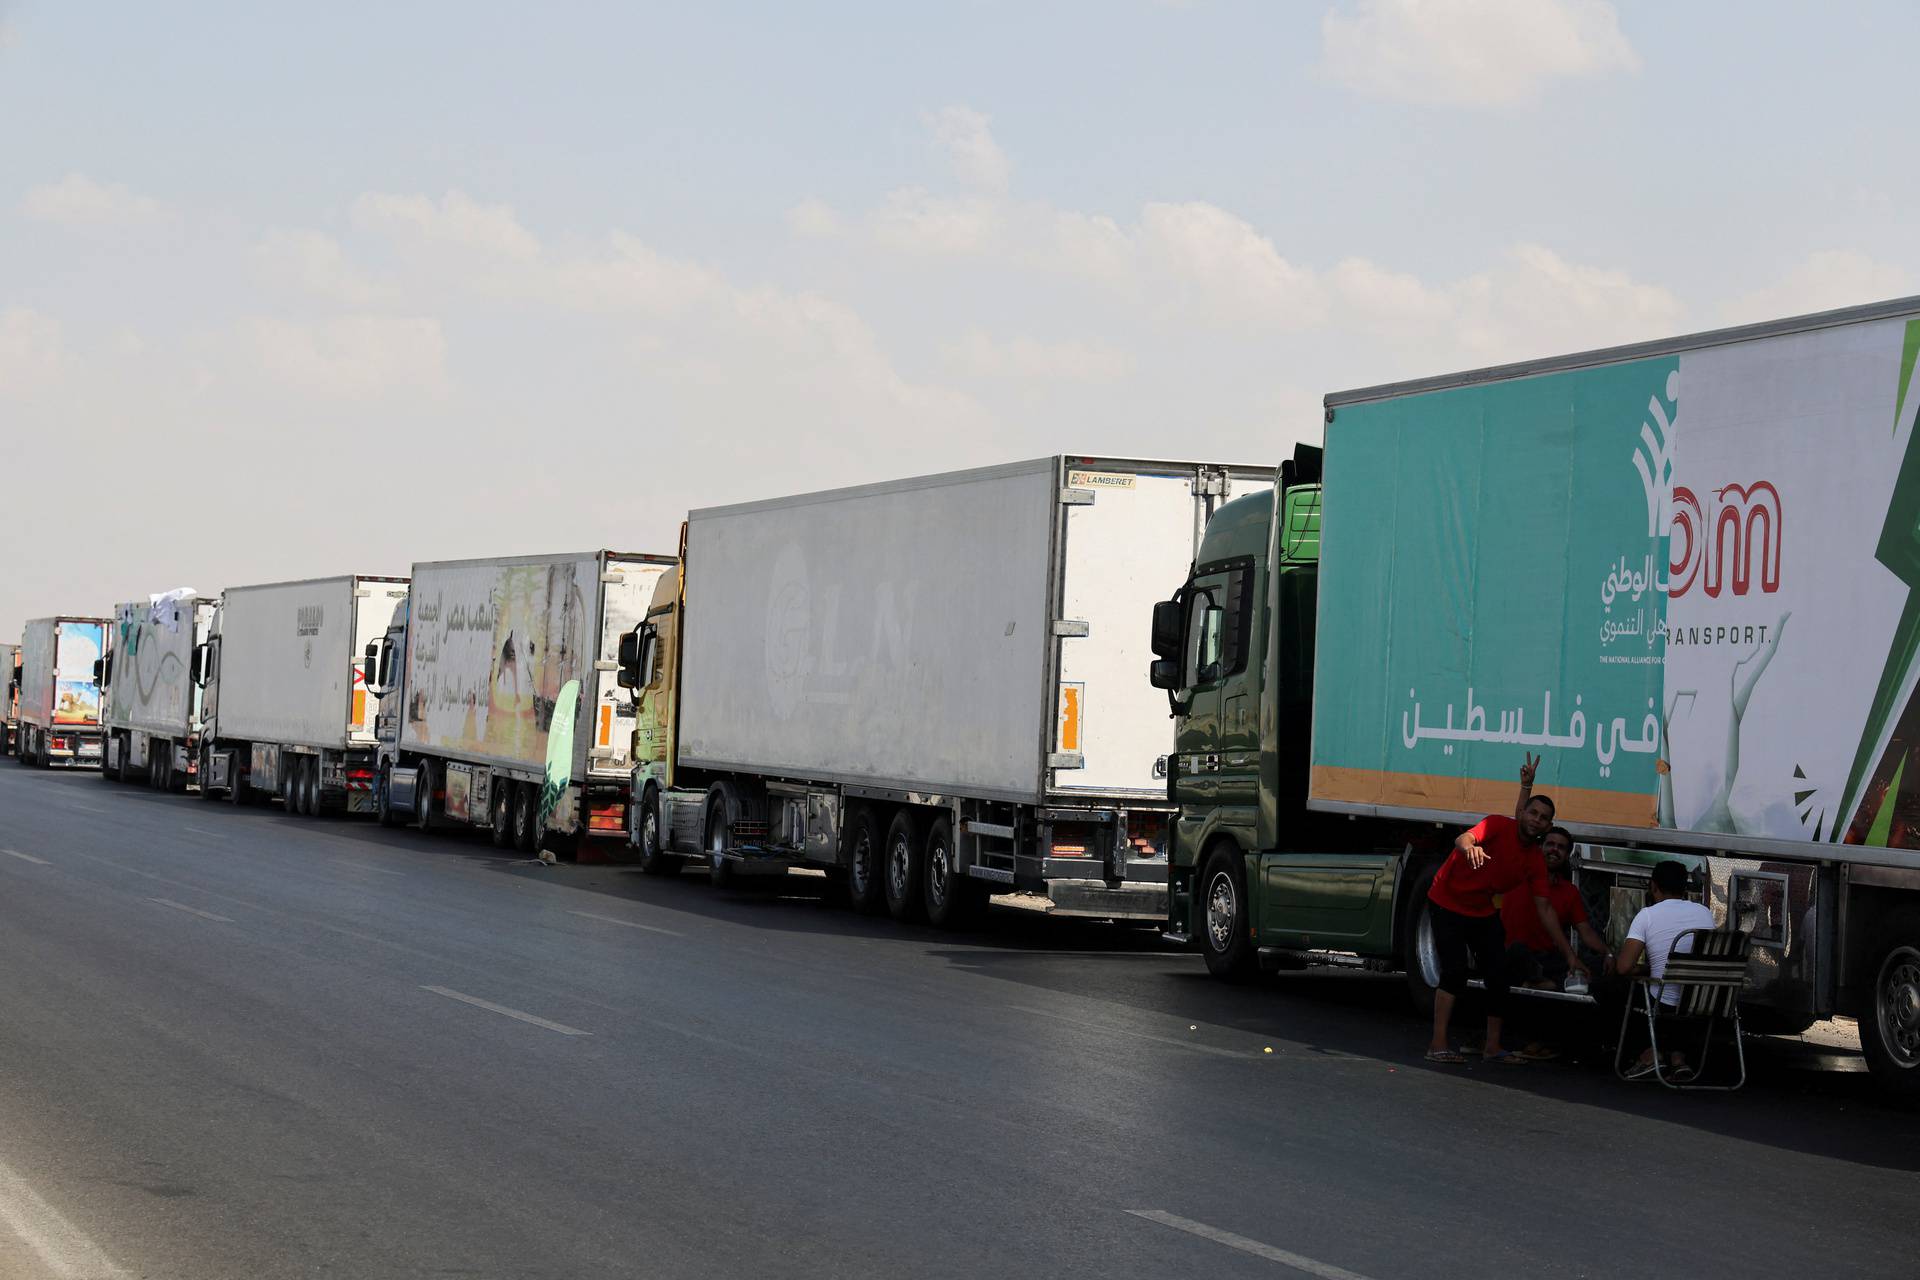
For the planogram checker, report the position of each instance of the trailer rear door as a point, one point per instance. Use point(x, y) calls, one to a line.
point(1127, 547)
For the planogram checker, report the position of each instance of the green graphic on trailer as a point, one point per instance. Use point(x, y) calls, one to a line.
point(559, 750)
point(1493, 559)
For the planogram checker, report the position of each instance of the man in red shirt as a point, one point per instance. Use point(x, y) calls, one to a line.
point(1532, 955)
point(1498, 857)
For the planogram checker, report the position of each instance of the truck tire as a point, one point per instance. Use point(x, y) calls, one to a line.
point(423, 797)
point(1422, 961)
point(310, 787)
point(503, 813)
point(526, 817)
point(236, 783)
point(906, 867)
point(866, 875)
point(109, 774)
point(1225, 934)
point(1890, 1024)
point(654, 859)
point(719, 841)
point(952, 900)
point(206, 774)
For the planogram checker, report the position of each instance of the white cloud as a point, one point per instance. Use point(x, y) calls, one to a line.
point(1470, 52)
point(353, 357)
point(813, 218)
point(455, 221)
point(77, 200)
point(1221, 264)
point(918, 221)
point(979, 355)
point(966, 138)
point(1826, 279)
point(32, 354)
point(315, 263)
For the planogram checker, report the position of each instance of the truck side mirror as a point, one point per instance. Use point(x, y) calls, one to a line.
point(99, 670)
point(378, 667)
point(628, 676)
point(197, 672)
point(1165, 673)
point(1167, 629)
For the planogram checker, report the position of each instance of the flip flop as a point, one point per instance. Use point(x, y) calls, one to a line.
point(1506, 1057)
point(1446, 1057)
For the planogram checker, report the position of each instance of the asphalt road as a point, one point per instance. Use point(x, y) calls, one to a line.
point(235, 1043)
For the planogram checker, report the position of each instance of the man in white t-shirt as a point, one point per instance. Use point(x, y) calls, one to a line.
point(1653, 933)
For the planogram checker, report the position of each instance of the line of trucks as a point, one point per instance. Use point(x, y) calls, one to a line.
point(1682, 574)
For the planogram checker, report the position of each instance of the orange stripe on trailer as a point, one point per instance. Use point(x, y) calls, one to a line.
point(359, 705)
point(606, 724)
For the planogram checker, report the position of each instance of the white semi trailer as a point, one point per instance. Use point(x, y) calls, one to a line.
point(59, 692)
point(928, 688)
point(500, 705)
point(151, 706)
point(286, 704)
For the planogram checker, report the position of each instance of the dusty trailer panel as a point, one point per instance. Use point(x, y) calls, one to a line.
point(10, 699)
point(287, 710)
point(501, 703)
point(953, 658)
point(151, 705)
point(60, 691)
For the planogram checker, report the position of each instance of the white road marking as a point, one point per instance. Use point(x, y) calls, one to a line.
point(1313, 1267)
point(202, 831)
point(26, 857)
point(629, 924)
point(192, 911)
point(501, 1009)
point(68, 1253)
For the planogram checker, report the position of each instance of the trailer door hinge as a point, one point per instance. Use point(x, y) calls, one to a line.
point(1076, 497)
point(1210, 484)
point(361, 593)
point(1071, 627)
point(1066, 760)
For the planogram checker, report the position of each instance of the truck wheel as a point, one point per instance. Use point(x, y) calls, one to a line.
point(236, 782)
point(951, 898)
point(157, 771)
point(866, 876)
point(526, 817)
point(906, 867)
point(503, 807)
point(206, 774)
point(423, 797)
point(1225, 935)
point(719, 841)
point(310, 787)
point(654, 860)
point(1890, 1028)
point(1422, 959)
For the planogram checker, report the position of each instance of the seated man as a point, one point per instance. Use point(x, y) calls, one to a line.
point(1652, 935)
point(1533, 956)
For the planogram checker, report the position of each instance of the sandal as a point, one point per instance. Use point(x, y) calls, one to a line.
point(1446, 1057)
point(1506, 1057)
point(1539, 1053)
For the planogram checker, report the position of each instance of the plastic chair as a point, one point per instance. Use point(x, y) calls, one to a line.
point(1709, 969)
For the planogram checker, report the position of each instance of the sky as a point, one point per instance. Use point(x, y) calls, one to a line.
point(288, 291)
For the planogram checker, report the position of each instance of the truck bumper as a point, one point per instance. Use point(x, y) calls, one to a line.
point(1131, 901)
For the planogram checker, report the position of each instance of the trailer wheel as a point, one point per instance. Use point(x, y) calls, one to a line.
point(719, 842)
point(906, 866)
point(157, 772)
point(1890, 1027)
point(654, 860)
point(866, 874)
point(952, 898)
point(503, 813)
point(1225, 933)
point(526, 816)
point(310, 787)
point(1422, 958)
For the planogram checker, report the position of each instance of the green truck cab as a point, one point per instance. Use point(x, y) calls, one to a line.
point(1253, 873)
